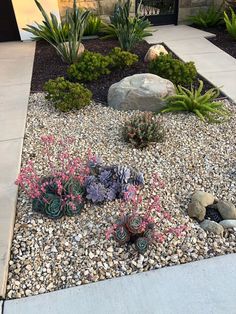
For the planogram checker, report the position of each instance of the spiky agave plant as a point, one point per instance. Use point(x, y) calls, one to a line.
point(193, 100)
point(143, 130)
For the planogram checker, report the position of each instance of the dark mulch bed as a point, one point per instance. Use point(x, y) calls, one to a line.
point(222, 40)
point(48, 65)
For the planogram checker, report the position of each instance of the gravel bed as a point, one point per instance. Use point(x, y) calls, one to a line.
point(50, 255)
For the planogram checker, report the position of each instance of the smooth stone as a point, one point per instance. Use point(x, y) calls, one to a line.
point(226, 209)
point(228, 223)
point(204, 198)
point(197, 210)
point(144, 92)
point(154, 52)
point(212, 226)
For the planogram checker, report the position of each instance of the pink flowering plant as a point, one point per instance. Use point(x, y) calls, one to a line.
point(61, 192)
point(140, 227)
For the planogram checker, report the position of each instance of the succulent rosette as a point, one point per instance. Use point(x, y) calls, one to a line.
point(122, 234)
point(142, 244)
point(53, 208)
point(134, 224)
point(38, 205)
point(73, 208)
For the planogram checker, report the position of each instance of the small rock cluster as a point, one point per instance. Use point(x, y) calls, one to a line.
point(214, 215)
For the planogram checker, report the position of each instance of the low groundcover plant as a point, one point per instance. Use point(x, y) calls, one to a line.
point(142, 227)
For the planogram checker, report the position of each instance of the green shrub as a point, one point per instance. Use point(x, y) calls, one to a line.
point(122, 59)
point(203, 105)
point(142, 130)
point(67, 95)
point(93, 25)
point(173, 69)
point(64, 37)
point(90, 67)
point(230, 23)
point(128, 30)
point(208, 18)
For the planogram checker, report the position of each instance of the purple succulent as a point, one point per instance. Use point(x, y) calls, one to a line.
point(96, 192)
point(90, 180)
point(105, 177)
point(123, 173)
point(139, 179)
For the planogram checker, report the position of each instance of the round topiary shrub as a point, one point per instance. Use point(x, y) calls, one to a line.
point(67, 95)
point(177, 71)
point(90, 67)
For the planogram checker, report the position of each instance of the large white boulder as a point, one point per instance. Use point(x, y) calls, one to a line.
point(144, 92)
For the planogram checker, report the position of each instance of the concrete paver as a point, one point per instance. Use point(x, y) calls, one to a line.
point(16, 64)
point(13, 111)
point(173, 32)
point(202, 287)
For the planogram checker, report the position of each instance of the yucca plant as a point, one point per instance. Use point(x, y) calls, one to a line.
point(230, 23)
point(208, 18)
point(128, 30)
point(64, 37)
point(193, 100)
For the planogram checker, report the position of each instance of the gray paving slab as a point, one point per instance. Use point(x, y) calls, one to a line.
point(15, 71)
point(188, 46)
point(205, 287)
point(1, 305)
point(226, 80)
point(15, 50)
point(173, 32)
point(16, 64)
point(211, 62)
point(13, 111)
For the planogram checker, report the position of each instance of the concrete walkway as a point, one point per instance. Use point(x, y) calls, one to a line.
point(205, 287)
point(190, 44)
point(16, 63)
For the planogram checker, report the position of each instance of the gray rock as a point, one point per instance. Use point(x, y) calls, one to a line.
point(204, 198)
point(227, 210)
point(197, 210)
point(143, 92)
point(212, 226)
point(228, 223)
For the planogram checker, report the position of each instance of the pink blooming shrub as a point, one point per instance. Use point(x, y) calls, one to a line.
point(61, 192)
point(134, 226)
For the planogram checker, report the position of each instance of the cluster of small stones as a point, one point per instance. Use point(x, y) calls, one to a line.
point(226, 212)
point(49, 255)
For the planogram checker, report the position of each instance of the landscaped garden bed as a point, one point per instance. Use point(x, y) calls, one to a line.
point(107, 193)
point(48, 255)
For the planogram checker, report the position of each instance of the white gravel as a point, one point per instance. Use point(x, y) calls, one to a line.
point(50, 255)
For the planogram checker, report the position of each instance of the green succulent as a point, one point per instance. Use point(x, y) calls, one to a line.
point(143, 130)
point(91, 66)
point(172, 69)
point(54, 208)
point(67, 95)
point(142, 245)
point(203, 105)
point(38, 205)
point(122, 234)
